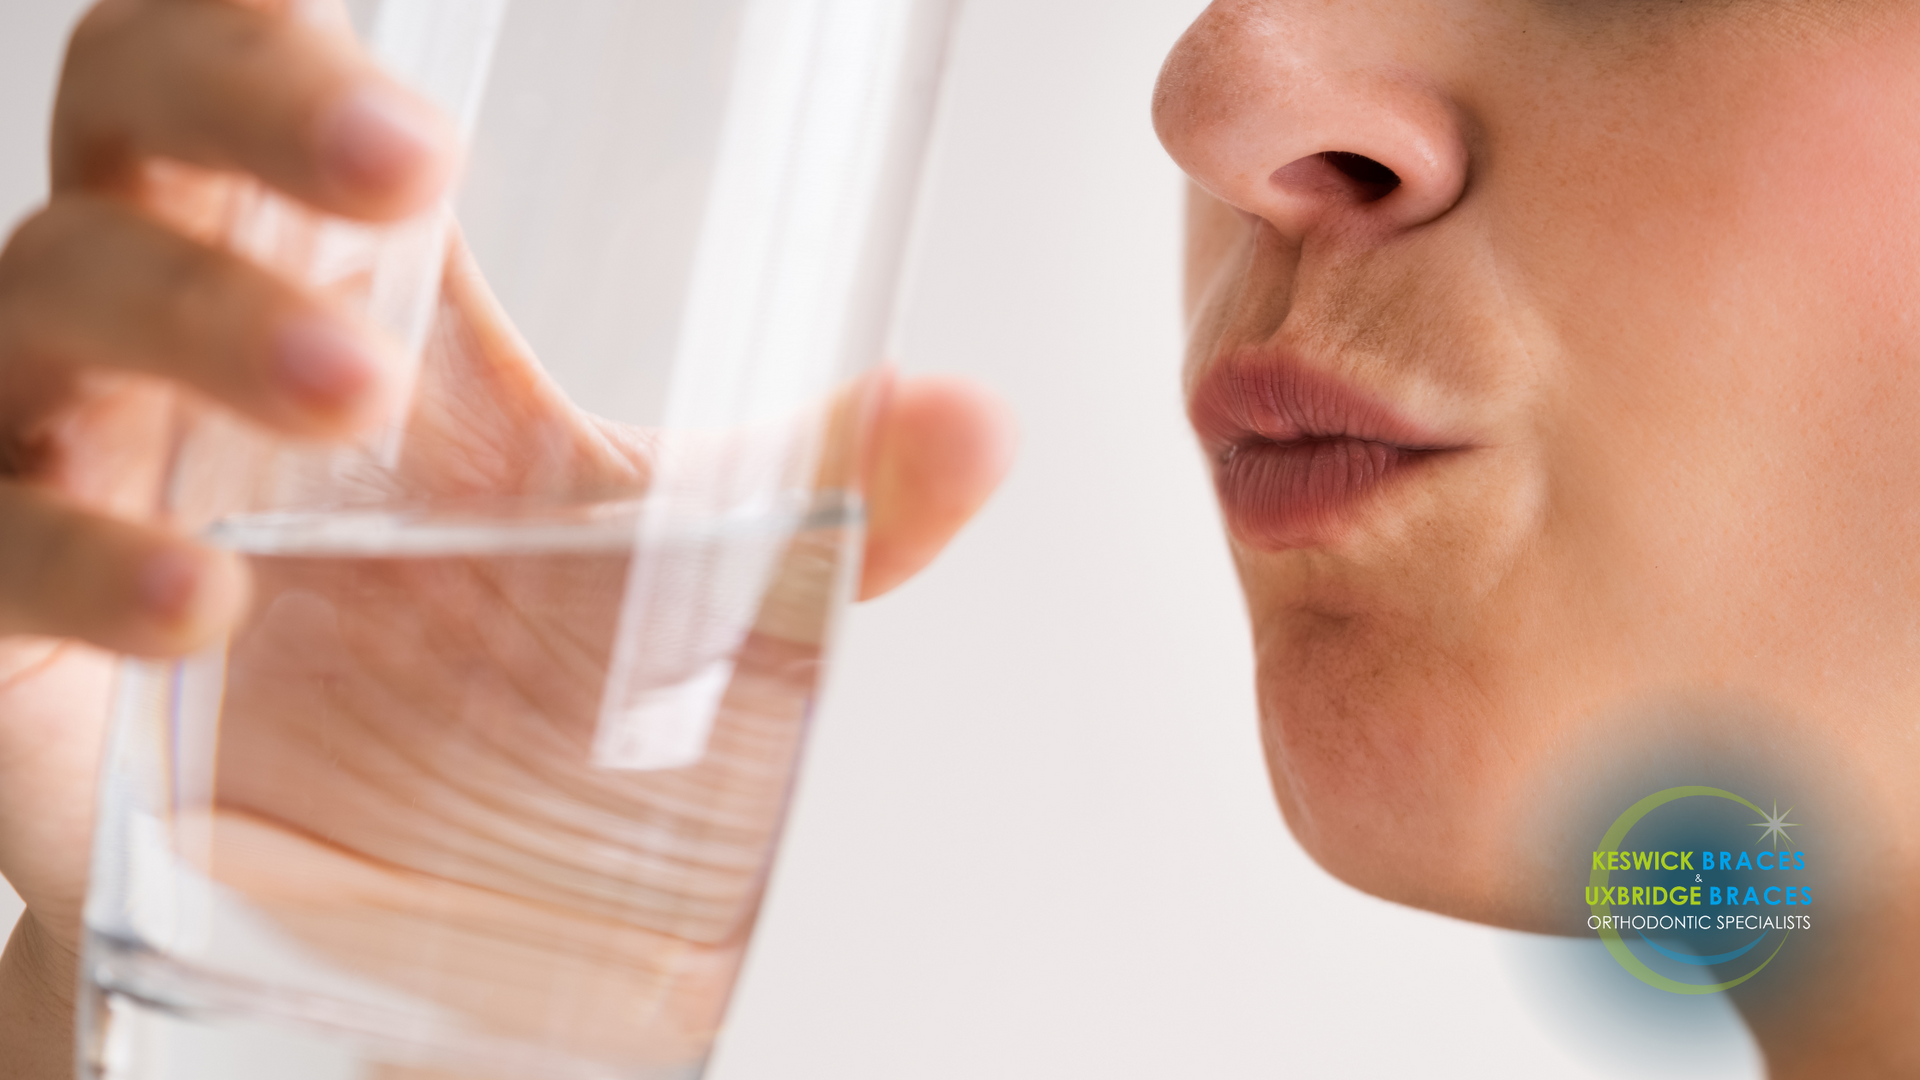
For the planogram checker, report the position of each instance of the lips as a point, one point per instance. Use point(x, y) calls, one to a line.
point(1298, 454)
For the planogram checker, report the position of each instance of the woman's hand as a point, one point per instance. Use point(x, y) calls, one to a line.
point(116, 297)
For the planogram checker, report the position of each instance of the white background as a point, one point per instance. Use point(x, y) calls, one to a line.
point(1034, 838)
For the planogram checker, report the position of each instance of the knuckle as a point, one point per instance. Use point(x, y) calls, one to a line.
point(48, 233)
point(247, 34)
point(187, 285)
point(32, 246)
point(42, 252)
point(204, 294)
point(219, 37)
point(99, 29)
point(87, 272)
point(40, 233)
point(35, 544)
point(98, 51)
point(128, 63)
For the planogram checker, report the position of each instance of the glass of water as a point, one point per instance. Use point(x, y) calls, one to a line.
point(488, 781)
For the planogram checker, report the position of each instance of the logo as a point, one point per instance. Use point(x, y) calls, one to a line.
point(1692, 895)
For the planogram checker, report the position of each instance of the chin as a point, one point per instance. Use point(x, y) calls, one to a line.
point(1390, 767)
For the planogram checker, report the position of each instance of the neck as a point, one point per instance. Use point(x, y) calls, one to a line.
point(1850, 1008)
point(1857, 1019)
point(1842, 1001)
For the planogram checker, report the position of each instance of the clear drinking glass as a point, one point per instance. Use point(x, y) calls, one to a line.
point(488, 782)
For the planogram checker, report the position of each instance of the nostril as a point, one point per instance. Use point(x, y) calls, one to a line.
point(1374, 180)
point(1337, 176)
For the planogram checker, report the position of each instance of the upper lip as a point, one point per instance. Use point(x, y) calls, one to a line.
point(1264, 396)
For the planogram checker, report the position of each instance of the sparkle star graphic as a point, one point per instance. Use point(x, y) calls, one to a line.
point(1776, 826)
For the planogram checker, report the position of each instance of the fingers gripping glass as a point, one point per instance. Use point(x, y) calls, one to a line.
point(488, 780)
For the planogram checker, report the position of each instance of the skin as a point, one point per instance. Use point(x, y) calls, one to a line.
point(1642, 266)
point(116, 305)
point(1644, 263)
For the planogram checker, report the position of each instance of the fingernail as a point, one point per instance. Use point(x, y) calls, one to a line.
point(322, 363)
point(168, 582)
point(375, 139)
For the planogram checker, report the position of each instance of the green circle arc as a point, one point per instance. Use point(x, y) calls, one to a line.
point(1611, 936)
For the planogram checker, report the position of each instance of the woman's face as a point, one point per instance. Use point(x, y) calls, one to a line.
point(1556, 358)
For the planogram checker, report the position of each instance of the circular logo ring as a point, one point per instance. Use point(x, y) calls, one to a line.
point(1610, 935)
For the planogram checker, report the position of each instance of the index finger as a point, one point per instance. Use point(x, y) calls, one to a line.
point(247, 88)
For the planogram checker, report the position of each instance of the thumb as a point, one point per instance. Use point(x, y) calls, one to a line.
point(943, 446)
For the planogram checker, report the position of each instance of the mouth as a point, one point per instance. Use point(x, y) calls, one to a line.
point(1298, 455)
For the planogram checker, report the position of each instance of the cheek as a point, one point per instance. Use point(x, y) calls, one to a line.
point(1730, 402)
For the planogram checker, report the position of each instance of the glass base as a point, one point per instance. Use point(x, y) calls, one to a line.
point(144, 1017)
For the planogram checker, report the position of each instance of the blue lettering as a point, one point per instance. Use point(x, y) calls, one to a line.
point(1762, 859)
point(1743, 864)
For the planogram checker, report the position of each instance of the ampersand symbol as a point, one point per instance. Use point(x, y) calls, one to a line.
point(1696, 877)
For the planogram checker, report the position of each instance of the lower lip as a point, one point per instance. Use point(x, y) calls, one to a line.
point(1299, 494)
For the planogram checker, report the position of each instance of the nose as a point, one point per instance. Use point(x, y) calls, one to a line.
point(1308, 116)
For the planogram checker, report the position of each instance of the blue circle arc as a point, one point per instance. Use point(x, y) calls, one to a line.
point(1703, 961)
